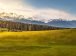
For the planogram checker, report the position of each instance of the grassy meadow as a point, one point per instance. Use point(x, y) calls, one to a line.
point(38, 43)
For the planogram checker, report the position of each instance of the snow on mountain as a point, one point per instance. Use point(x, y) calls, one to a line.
point(63, 23)
point(10, 16)
point(38, 20)
point(18, 18)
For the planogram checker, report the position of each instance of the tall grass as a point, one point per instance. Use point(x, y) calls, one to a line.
point(41, 37)
point(38, 43)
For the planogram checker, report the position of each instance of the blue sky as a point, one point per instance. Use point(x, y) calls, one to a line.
point(66, 5)
point(41, 9)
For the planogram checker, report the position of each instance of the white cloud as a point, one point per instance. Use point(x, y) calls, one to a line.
point(17, 6)
point(56, 14)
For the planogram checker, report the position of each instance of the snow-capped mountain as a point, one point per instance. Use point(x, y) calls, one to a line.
point(10, 16)
point(38, 20)
point(18, 18)
point(63, 23)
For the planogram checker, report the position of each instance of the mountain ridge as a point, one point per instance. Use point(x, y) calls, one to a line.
point(31, 20)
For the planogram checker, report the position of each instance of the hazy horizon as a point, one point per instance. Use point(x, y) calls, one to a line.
point(47, 9)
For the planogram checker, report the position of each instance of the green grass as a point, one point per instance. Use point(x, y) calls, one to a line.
point(38, 43)
point(62, 50)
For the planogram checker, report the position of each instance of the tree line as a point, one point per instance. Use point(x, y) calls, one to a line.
point(17, 26)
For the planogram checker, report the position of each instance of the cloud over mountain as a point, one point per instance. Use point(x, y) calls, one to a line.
point(23, 8)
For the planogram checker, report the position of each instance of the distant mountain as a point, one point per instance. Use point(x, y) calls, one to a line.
point(63, 23)
point(18, 18)
point(38, 20)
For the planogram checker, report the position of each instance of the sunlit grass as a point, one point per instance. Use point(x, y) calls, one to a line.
point(38, 43)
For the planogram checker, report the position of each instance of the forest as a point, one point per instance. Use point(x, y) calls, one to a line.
point(18, 26)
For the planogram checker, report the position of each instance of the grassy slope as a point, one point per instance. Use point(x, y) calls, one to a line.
point(38, 43)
